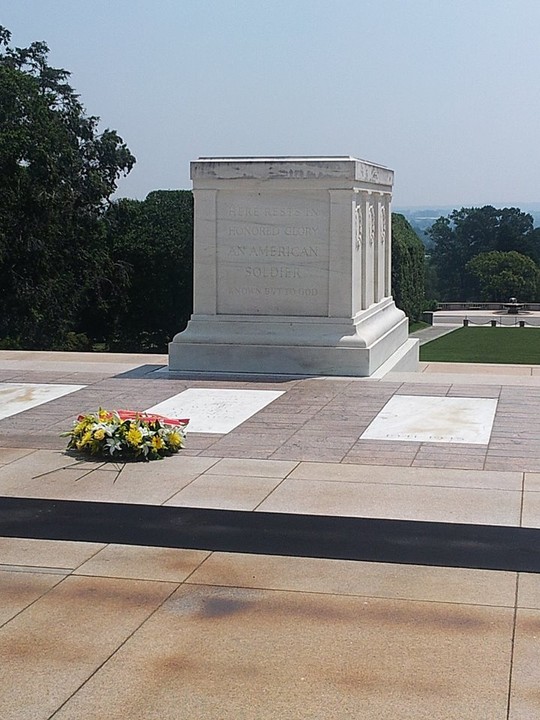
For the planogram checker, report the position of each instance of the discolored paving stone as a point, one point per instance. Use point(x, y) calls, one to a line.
point(46, 553)
point(369, 579)
point(18, 590)
point(525, 681)
point(56, 644)
point(234, 653)
point(143, 563)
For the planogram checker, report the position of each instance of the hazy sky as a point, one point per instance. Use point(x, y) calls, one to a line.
point(445, 92)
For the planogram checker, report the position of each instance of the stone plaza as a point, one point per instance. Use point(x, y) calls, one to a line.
point(286, 566)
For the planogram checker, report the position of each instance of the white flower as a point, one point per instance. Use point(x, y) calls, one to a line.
point(113, 444)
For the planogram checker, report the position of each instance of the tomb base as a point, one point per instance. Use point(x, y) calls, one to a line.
point(355, 347)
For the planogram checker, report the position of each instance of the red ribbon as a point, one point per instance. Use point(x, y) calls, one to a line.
point(148, 417)
point(134, 415)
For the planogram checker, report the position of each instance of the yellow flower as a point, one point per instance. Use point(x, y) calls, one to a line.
point(82, 424)
point(134, 437)
point(99, 434)
point(175, 439)
point(104, 415)
point(157, 442)
point(86, 438)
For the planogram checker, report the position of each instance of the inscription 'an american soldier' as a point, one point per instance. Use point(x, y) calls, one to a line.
point(272, 251)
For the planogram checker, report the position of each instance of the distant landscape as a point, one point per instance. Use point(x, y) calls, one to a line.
point(422, 217)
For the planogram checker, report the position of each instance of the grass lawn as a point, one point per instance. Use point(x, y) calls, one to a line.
point(419, 325)
point(515, 345)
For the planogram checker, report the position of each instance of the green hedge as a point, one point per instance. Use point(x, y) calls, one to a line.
point(150, 243)
point(407, 268)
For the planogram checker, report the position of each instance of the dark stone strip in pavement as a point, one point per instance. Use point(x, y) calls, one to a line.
point(346, 538)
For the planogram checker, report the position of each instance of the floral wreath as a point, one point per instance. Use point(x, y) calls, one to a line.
point(127, 434)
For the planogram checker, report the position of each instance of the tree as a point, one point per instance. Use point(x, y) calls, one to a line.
point(502, 275)
point(56, 175)
point(153, 240)
point(471, 231)
point(407, 268)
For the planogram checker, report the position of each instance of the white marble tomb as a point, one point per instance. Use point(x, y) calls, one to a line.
point(292, 269)
point(18, 397)
point(215, 411)
point(434, 419)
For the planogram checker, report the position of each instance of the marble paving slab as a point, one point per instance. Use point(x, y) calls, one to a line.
point(434, 419)
point(215, 411)
point(18, 397)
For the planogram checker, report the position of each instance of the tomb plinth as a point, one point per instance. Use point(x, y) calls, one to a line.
point(292, 269)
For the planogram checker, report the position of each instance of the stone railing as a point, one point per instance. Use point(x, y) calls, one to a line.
point(482, 306)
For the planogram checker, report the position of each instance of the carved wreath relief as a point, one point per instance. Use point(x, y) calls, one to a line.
point(371, 227)
point(382, 220)
point(359, 227)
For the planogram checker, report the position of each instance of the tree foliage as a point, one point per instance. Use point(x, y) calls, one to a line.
point(502, 275)
point(153, 241)
point(56, 173)
point(468, 232)
point(407, 268)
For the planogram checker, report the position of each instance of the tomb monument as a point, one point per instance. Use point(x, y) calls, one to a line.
point(292, 270)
